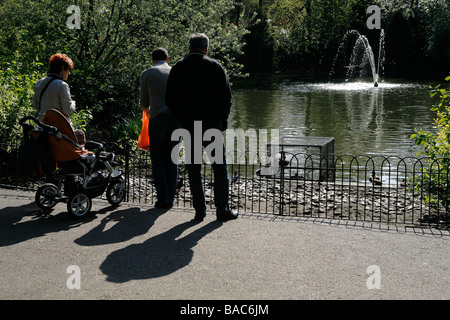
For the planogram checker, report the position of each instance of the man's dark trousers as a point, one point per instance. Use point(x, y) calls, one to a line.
point(221, 179)
point(164, 170)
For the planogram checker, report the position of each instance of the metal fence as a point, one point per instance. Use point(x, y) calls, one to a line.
point(373, 188)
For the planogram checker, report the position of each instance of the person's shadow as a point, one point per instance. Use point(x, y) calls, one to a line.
point(158, 256)
point(25, 222)
point(128, 223)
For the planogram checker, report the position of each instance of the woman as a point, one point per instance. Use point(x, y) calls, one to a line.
point(52, 92)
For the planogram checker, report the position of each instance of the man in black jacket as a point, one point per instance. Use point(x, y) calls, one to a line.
point(198, 92)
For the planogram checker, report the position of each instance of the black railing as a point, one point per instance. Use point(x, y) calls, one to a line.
point(385, 189)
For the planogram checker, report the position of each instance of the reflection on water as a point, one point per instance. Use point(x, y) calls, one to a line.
point(362, 118)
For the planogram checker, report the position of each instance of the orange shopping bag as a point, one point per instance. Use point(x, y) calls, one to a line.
point(144, 139)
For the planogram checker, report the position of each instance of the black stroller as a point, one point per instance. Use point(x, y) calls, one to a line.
point(79, 175)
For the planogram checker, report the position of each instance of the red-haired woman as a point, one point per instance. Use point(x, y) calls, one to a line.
point(52, 92)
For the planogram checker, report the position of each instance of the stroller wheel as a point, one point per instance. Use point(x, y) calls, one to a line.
point(46, 196)
point(79, 205)
point(115, 192)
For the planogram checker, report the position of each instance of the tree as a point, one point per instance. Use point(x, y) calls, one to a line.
point(307, 32)
point(417, 37)
point(114, 43)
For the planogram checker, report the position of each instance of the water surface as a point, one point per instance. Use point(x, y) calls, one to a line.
point(363, 119)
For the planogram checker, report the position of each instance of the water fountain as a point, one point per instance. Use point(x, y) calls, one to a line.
point(361, 57)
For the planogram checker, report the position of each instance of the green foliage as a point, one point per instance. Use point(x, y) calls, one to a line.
point(305, 34)
point(128, 130)
point(117, 37)
point(81, 119)
point(115, 42)
point(308, 32)
point(437, 147)
point(16, 97)
point(418, 33)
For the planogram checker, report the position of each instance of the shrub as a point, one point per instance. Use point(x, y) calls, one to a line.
point(16, 98)
point(435, 181)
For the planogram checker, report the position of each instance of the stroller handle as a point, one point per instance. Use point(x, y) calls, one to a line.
point(23, 123)
point(94, 145)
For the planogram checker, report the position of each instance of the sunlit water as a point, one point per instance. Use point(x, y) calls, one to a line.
point(363, 119)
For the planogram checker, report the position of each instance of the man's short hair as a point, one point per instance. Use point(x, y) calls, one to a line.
point(160, 54)
point(198, 42)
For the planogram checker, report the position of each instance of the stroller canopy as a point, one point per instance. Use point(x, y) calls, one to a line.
point(63, 147)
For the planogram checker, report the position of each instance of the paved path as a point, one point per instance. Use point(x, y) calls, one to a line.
point(139, 252)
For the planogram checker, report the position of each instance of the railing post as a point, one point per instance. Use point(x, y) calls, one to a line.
point(127, 171)
point(281, 163)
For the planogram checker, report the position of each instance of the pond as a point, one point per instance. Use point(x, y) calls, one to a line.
point(362, 119)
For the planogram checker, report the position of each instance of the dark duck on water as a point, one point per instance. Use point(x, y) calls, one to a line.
point(375, 180)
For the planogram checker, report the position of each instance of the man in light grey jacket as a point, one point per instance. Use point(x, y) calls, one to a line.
point(53, 92)
point(153, 83)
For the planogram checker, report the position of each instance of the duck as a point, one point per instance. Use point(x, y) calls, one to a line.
point(375, 180)
point(283, 163)
point(235, 177)
point(404, 183)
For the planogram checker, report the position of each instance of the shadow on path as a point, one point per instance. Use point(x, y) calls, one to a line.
point(158, 256)
point(25, 222)
point(127, 224)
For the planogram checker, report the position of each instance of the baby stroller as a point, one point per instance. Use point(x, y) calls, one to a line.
point(80, 175)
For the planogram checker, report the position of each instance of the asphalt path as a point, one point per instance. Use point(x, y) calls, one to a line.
point(137, 252)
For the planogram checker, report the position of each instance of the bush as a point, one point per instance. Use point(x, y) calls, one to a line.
point(128, 130)
point(435, 180)
point(16, 98)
